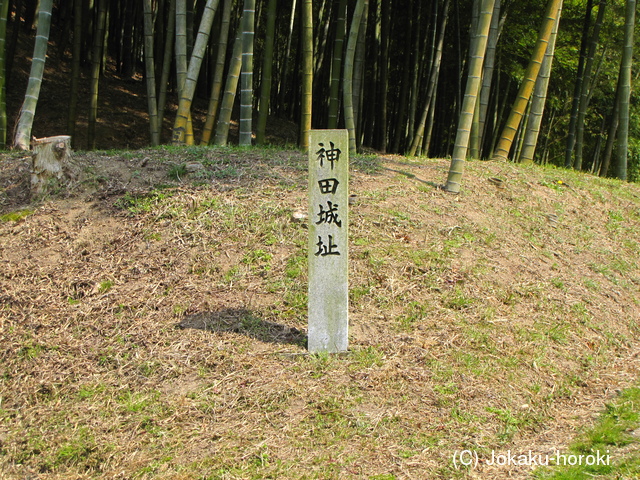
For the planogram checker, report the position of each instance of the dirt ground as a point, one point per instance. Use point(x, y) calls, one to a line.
point(153, 320)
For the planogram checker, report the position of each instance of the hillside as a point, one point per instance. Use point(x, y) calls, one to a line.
point(152, 320)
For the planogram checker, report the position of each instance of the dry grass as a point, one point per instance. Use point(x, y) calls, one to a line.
point(158, 333)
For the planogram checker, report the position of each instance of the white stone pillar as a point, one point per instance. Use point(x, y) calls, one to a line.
point(328, 328)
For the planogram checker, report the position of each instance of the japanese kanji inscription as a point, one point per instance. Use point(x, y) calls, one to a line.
point(328, 241)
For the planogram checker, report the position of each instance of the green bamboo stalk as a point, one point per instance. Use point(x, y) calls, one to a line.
point(414, 71)
point(150, 75)
point(614, 120)
point(538, 100)
point(283, 87)
point(488, 70)
point(336, 65)
point(166, 63)
point(348, 74)
point(526, 87)
point(358, 74)
point(216, 87)
point(478, 50)
point(307, 72)
point(267, 72)
point(231, 86)
point(246, 87)
point(182, 60)
point(98, 45)
point(22, 137)
point(72, 113)
point(189, 85)
point(625, 93)
point(4, 10)
point(433, 81)
point(181, 42)
point(585, 88)
point(383, 88)
point(575, 104)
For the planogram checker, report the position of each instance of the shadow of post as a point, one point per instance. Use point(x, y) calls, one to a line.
point(245, 322)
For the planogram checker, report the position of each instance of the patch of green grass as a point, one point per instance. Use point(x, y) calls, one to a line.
point(135, 402)
point(228, 171)
point(457, 237)
point(258, 257)
point(616, 216)
point(31, 351)
point(631, 244)
point(358, 292)
point(259, 465)
point(105, 286)
point(446, 393)
point(16, 216)
point(155, 236)
point(231, 275)
point(136, 204)
point(463, 416)
point(296, 299)
point(581, 311)
point(419, 257)
point(592, 285)
point(154, 466)
point(458, 300)
point(606, 450)
point(470, 361)
point(622, 266)
point(601, 268)
point(399, 215)
point(414, 313)
point(177, 172)
point(368, 357)
point(361, 241)
point(558, 332)
point(511, 423)
point(78, 450)
point(88, 392)
point(34, 446)
point(317, 365)
point(332, 420)
point(555, 184)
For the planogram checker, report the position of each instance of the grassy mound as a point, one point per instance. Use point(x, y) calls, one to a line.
point(153, 318)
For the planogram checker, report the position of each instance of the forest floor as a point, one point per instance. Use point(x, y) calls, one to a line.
point(122, 119)
point(153, 318)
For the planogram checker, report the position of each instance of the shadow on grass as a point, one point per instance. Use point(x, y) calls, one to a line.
point(245, 322)
point(369, 164)
point(414, 177)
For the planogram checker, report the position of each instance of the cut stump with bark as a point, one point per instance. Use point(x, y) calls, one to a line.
point(52, 166)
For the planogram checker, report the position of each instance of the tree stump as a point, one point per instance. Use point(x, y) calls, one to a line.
point(52, 166)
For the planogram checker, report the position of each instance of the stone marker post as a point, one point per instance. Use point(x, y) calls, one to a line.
point(328, 328)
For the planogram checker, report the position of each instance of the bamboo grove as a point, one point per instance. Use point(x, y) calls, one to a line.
point(536, 80)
